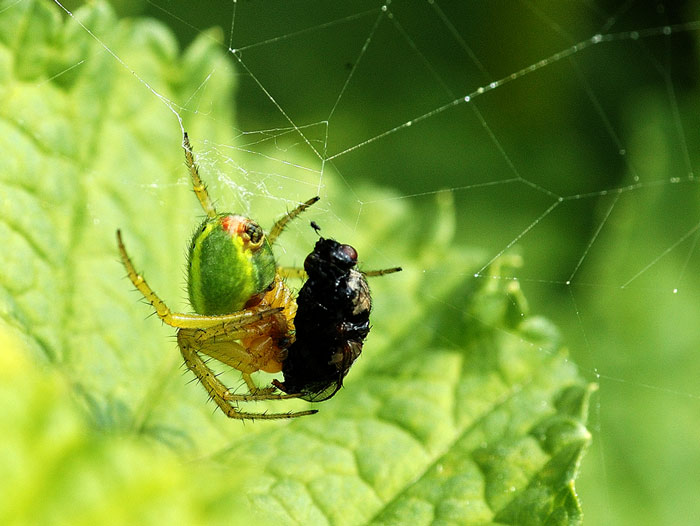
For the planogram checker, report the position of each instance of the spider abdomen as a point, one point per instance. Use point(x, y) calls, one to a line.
point(229, 262)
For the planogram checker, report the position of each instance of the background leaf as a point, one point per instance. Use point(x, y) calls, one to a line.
point(463, 409)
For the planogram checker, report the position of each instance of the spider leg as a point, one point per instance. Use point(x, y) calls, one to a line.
point(218, 391)
point(200, 189)
point(256, 397)
point(248, 348)
point(259, 393)
point(254, 389)
point(193, 321)
point(279, 225)
point(382, 272)
point(228, 350)
point(291, 272)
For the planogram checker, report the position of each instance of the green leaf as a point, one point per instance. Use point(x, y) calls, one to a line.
point(463, 409)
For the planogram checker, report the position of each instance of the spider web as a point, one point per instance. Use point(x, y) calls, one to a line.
point(566, 129)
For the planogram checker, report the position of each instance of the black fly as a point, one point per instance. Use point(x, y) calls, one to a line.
point(332, 321)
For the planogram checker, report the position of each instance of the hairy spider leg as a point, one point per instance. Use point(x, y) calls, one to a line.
point(220, 343)
point(188, 321)
point(229, 352)
point(382, 272)
point(200, 189)
point(293, 272)
point(257, 351)
point(220, 393)
point(281, 223)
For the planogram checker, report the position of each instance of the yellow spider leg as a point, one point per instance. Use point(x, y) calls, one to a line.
point(293, 272)
point(230, 353)
point(229, 331)
point(200, 189)
point(264, 395)
point(186, 321)
point(252, 388)
point(248, 348)
point(382, 272)
point(279, 225)
point(218, 391)
point(260, 393)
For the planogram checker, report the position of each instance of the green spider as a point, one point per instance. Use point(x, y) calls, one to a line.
point(244, 310)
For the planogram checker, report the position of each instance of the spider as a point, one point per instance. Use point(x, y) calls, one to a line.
point(332, 321)
point(244, 312)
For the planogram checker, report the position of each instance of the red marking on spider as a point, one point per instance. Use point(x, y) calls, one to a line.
point(233, 224)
